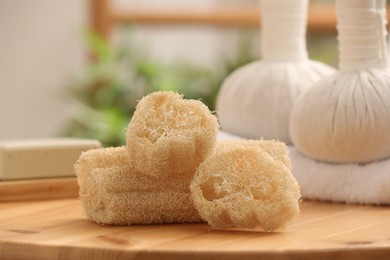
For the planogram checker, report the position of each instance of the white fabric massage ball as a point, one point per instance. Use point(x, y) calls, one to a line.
point(256, 100)
point(345, 118)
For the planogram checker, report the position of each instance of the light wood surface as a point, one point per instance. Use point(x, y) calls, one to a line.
point(35, 189)
point(58, 229)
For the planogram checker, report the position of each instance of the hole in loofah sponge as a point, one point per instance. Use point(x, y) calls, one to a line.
point(214, 188)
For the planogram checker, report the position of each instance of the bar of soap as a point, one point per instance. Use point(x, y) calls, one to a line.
point(41, 158)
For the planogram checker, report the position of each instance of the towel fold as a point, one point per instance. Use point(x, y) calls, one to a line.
point(349, 183)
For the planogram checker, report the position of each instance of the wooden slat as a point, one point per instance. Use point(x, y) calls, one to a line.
point(223, 17)
point(58, 229)
point(51, 188)
point(100, 11)
point(321, 17)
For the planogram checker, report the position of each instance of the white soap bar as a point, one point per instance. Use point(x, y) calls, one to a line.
point(41, 158)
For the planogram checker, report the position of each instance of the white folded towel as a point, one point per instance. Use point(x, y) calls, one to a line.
point(349, 183)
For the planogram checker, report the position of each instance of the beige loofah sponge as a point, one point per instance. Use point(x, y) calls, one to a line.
point(125, 178)
point(277, 150)
point(246, 184)
point(113, 192)
point(90, 160)
point(98, 158)
point(101, 158)
point(170, 135)
point(139, 207)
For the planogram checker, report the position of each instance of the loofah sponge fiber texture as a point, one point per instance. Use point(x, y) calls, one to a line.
point(113, 192)
point(91, 159)
point(139, 207)
point(170, 135)
point(246, 184)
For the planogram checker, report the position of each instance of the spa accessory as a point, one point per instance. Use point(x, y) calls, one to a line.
point(169, 134)
point(344, 120)
point(256, 100)
point(41, 158)
point(247, 184)
point(112, 191)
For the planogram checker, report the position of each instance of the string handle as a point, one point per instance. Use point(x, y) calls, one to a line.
point(362, 34)
point(283, 30)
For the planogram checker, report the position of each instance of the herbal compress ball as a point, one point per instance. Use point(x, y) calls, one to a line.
point(170, 135)
point(246, 184)
point(255, 101)
point(345, 118)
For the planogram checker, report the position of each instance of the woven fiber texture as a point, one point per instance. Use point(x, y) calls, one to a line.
point(246, 185)
point(113, 192)
point(170, 135)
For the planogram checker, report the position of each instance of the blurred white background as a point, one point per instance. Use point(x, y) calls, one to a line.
point(41, 48)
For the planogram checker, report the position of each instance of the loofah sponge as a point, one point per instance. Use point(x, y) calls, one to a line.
point(139, 207)
point(113, 192)
point(101, 158)
point(277, 150)
point(124, 178)
point(97, 158)
point(170, 135)
point(90, 160)
point(246, 185)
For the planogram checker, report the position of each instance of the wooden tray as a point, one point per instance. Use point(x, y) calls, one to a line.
point(51, 188)
point(58, 229)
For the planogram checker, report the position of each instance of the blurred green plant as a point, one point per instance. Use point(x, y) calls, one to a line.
point(110, 87)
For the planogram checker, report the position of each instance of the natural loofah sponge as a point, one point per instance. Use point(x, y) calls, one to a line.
point(277, 150)
point(140, 207)
point(170, 135)
point(101, 158)
point(93, 159)
point(246, 185)
point(113, 192)
point(125, 178)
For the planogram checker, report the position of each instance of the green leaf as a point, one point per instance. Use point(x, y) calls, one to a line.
point(98, 46)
